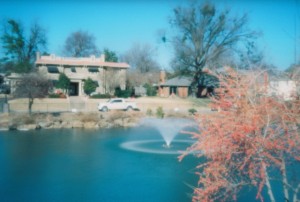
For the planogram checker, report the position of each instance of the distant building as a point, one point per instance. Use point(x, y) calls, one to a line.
point(79, 69)
point(295, 76)
point(282, 86)
point(179, 86)
point(278, 83)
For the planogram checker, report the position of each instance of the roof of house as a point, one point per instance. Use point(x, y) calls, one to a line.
point(71, 61)
point(178, 81)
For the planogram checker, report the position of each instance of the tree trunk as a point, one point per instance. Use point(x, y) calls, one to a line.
point(284, 180)
point(30, 103)
point(268, 184)
point(296, 194)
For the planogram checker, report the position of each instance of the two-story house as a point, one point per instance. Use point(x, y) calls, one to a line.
point(107, 75)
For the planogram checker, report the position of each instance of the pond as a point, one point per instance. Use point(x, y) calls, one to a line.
point(94, 165)
point(135, 164)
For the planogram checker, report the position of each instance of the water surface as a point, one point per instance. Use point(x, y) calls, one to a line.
point(94, 165)
point(90, 165)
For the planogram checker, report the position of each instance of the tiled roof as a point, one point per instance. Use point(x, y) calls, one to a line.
point(79, 62)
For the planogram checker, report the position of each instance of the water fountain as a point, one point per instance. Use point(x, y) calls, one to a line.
point(168, 128)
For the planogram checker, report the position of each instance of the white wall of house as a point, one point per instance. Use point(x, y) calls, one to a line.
point(79, 69)
point(284, 88)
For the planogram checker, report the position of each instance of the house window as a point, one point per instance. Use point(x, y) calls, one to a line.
point(93, 69)
point(73, 69)
point(54, 82)
point(52, 69)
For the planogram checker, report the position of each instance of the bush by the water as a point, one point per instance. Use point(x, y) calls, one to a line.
point(160, 112)
point(149, 112)
point(192, 111)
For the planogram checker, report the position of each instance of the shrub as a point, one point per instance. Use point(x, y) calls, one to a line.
point(89, 86)
point(99, 96)
point(123, 93)
point(149, 112)
point(192, 111)
point(57, 95)
point(54, 95)
point(150, 90)
point(63, 82)
point(160, 112)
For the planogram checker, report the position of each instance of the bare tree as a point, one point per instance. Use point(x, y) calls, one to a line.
point(136, 78)
point(20, 49)
point(80, 44)
point(36, 42)
point(141, 58)
point(113, 79)
point(32, 86)
point(203, 36)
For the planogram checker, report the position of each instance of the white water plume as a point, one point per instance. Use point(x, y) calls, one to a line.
point(168, 127)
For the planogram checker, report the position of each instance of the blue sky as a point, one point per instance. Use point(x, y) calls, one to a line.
point(118, 24)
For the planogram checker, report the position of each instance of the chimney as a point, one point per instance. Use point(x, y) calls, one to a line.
point(162, 77)
point(38, 56)
point(102, 57)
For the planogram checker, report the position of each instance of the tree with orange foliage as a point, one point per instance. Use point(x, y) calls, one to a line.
point(253, 136)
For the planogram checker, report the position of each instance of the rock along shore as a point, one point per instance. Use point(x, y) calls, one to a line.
point(95, 120)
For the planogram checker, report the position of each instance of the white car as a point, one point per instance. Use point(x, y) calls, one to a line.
point(117, 104)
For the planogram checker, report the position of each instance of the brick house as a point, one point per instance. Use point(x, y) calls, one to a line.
point(179, 86)
point(107, 75)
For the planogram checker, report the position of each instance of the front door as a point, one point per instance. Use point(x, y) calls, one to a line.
point(173, 90)
point(74, 89)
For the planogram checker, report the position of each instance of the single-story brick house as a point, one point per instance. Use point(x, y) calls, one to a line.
point(179, 86)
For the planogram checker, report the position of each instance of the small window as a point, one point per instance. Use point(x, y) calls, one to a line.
point(54, 82)
point(73, 69)
point(93, 69)
point(53, 69)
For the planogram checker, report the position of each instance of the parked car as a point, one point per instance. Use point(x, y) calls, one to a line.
point(117, 104)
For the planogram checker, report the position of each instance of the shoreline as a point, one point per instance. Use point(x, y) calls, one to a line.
point(60, 113)
point(87, 120)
